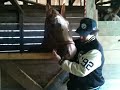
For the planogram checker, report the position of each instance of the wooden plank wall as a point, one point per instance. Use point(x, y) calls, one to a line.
point(33, 33)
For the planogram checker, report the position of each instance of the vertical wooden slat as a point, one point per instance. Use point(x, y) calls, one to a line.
point(36, 1)
point(81, 2)
point(84, 8)
point(21, 31)
point(15, 3)
point(59, 2)
point(20, 13)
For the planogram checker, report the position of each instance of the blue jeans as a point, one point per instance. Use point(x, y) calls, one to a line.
point(73, 88)
point(72, 85)
point(97, 88)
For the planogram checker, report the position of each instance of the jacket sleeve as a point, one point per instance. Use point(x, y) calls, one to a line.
point(87, 63)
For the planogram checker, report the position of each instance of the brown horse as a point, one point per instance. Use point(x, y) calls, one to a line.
point(57, 34)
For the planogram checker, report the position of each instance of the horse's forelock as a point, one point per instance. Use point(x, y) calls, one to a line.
point(62, 21)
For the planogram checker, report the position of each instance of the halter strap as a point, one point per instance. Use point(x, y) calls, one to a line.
point(61, 43)
point(65, 43)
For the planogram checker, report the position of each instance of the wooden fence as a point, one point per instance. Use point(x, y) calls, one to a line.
point(13, 39)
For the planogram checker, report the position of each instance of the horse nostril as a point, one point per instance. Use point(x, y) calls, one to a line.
point(119, 40)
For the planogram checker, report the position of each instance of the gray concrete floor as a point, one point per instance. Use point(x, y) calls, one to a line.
point(111, 73)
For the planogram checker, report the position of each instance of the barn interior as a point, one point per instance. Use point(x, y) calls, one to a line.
point(22, 28)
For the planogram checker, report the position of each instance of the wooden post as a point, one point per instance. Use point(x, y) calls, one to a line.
point(21, 31)
point(36, 1)
point(71, 2)
point(20, 13)
point(49, 1)
point(84, 8)
point(59, 2)
point(90, 8)
point(80, 2)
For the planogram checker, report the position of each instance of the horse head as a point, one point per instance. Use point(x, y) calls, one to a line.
point(56, 26)
point(57, 34)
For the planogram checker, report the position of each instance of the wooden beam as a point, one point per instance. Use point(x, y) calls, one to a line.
point(21, 28)
point(61, 77)
point(20, 76)
point(31, 2)
point(25, 56)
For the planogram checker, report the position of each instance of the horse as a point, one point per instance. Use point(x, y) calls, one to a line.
point(110, 14)
point(57, 34)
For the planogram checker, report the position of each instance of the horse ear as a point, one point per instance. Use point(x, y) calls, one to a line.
point(62, 12)
point(48, 9)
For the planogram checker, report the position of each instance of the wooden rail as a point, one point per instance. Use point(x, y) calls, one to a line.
point(17, 73)
point(25, 56)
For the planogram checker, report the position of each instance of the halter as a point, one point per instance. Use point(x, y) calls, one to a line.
point(60, 43)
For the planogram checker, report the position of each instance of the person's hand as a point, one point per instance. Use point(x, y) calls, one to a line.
point(55, 55)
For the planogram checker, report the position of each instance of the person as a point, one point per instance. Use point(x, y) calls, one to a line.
point(85, 69)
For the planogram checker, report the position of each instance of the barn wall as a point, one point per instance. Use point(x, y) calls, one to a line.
point(109, 36)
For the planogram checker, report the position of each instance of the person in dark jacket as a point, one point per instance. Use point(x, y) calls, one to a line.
point(86, 67)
